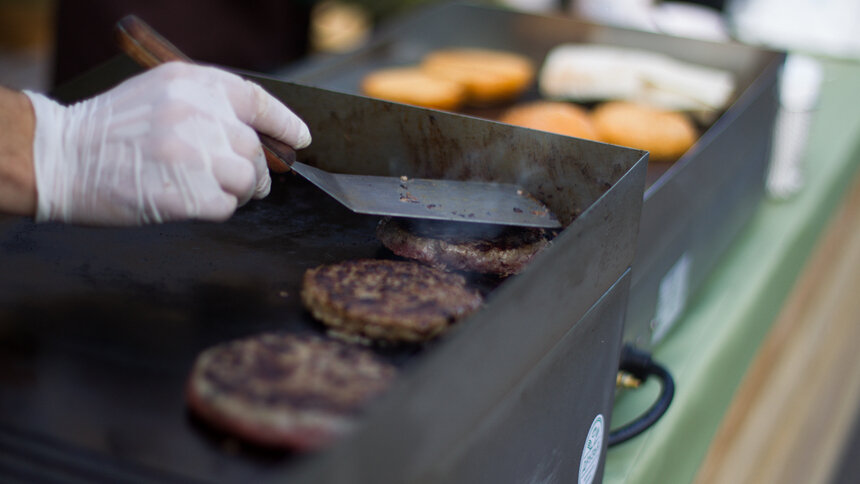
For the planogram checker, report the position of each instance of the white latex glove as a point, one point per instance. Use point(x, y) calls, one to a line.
point(173, 143)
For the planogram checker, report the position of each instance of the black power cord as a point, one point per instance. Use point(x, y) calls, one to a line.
point(639, 364)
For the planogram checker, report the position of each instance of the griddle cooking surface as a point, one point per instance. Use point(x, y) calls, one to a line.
point(100, 326)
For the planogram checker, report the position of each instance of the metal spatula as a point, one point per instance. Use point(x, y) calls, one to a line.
point(453, 200)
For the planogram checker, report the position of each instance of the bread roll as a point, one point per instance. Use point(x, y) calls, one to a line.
point(489, 76)
point(556, 117)
point(665, 134)
point(411, 85)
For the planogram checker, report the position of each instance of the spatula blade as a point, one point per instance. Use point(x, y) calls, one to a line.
point(451, 200)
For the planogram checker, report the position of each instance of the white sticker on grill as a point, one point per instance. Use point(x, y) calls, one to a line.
point(672, 298)
point(591, 451)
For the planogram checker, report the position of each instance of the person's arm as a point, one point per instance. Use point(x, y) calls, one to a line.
point(176, 142)
point(17, 178)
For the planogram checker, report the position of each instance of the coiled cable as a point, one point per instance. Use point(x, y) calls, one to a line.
point(640, 364)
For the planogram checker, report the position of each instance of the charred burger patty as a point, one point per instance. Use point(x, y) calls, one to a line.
point(500, 251)
point(386, 300)
point(284, 390)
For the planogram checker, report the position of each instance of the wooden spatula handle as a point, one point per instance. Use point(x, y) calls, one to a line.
point(149, 49)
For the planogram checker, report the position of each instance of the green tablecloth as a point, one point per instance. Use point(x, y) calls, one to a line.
point(712, 345)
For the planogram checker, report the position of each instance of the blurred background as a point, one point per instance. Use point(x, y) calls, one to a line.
point(44, 43)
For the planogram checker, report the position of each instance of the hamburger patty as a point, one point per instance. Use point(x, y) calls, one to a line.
point(284, 390)
point(386, 300)
point(500, 251)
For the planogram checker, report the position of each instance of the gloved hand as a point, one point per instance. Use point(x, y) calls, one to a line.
point(173, 143)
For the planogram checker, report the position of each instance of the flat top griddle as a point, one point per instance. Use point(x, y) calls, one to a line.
point(121, 314)
point(406, 40)
point(99, 327)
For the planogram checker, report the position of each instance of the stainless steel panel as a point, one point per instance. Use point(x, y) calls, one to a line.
point(541, 431)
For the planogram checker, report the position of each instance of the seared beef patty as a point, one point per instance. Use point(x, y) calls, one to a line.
point(283, 390)
point(486, 249)
point(386, 300)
